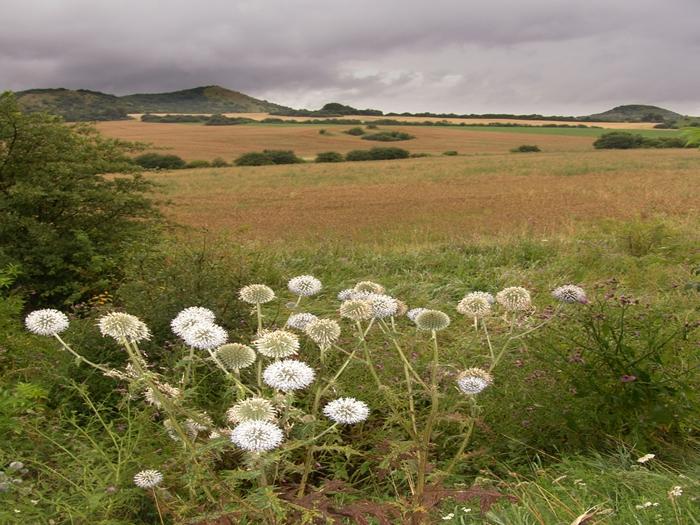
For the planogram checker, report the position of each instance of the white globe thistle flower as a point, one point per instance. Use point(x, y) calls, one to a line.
point(473, 381)
point(252, 409)
point(514, 299)
point(369, 287)
point(382, 305)
point(570, 293)
point(257, 436)
point(300, 320)
point(288, 375)
point(346, 411)
point(123, 327)
point(356, 310)
point(346, 295)
point(189, 317)
point(323, 332)
point(432, 320)
point(205, 336)
point(476, 304)
point(304, 285)
point(256, 294)
point(147, 479)
point(235, 356)
point(47, 322)
point(413, 313)
point(277, 344)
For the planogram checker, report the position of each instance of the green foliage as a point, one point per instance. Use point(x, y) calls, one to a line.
point(198, 164)
point(160, 161)
point(389, 136)
point(450, 153)
point(218, 162)
point(377, 154)
point(267, 157)
point(62, 223)
point(330, 156)
point(526, 148)
point(627, 140)
point(355, 132)
point(73, 105)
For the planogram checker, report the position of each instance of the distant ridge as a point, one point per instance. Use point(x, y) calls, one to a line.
point(636, 113)
point(83, 104)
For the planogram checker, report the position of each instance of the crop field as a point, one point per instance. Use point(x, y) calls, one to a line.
point(194, 141)
point(431, 198)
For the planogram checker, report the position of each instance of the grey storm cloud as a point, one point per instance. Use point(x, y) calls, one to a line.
point(521, 56)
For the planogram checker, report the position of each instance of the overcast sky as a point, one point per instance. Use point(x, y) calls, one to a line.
point(463, 56)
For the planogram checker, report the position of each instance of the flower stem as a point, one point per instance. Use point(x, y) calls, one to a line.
point(81, 358)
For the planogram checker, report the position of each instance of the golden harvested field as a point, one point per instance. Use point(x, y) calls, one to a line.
point(431, 198)
point(193, 141)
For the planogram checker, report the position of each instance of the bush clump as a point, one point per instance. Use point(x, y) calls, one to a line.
point(158, 161)
point(389, 136)
point(218, 162)
point(526, 148)
point(450, 153)
point(377, 154)
point(267, 157)
point(626, 140)
point(329, 156)
point(198, 164)
point(355, 132)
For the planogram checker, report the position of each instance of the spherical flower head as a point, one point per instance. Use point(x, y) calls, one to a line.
point(189, 317)
point(369, 287)
point(205, 336)
point(382, 305)
point(323, 332)
point(356, 310)
point(147, 479)
point(123, 327)
point(304, 285)
point(473, 381)
point(570, 293)
point(346, 411)
point(514, 299)
point(346, 295)
point(277, 344)
point(257, 436)
point(256, 294)
point(476, 304)
point(299, 321)
point(413, 313)
point(46, 322)
point(432, 320)
point(235, 356)
point(288, 375)
point(253, 409)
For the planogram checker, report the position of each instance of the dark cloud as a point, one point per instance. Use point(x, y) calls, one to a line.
point(546, 56)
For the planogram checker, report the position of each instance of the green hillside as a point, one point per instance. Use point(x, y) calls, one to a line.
point(636, 113)
point(73, 105)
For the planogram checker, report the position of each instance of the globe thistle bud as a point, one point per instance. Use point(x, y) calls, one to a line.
point(188, 317)
point(382, 305)
point(288, 375)
point(253, 409)
point(256, 294)
point(277, 344)
point(147, 479)
point(123, 327)
point(473, 381)
point(235, 356)
point(346, 411)
point(413, 313)
point(300, 320)
point(369, 287)
point(47, 322)
point(205, 336)
point(476, 304)
point(356, 310)
point(304, 285)
point(570, 293)
point(323, 332)
point(432, 320)
point(257, 436)
point(345, 295)
point(514, 299)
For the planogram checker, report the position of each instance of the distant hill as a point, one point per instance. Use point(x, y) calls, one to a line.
point(83, 104)
point(636, 113)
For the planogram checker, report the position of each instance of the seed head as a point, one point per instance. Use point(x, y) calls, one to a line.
point(382, 305)
point(345, 295)
point(299, 321)
point(205, 336)
point(346, 411)
point(46, 322)
point(277, 344)
point(323, 332)
point(304, 285)
point(188, 317)
point(356, 310)
point(256, 294)
point(413, 313)
point(257, 436)
point(476, 304)
point(288, 375)
point(432, 320)
point(147, 479)
point(235, 356)
point(473, 381)
point(514, 299)
point(369, 287)
point(570, 293)
point(253, 409)
point(401, 308)
point(123, 327)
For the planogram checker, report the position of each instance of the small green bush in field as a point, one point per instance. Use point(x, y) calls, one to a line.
point(450, 153)
point(377, 154)
point(158, 161)
point(330, 156)
point(389, 136)
point(198, 164)
point(526, 148)
point(355, 131)
point(267, 157)
point(218, 162)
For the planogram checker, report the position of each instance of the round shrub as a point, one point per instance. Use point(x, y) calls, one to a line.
point(355, 131)
point(218, 162)
point(329, 156)
point(254, 158)
point(282, 156)
point(358, 155)
point(526, 148)
point(389, 136)
point(155, 161)
point(198, 164)
point(618, 140)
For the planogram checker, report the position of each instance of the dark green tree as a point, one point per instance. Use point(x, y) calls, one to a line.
point(66, 224)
